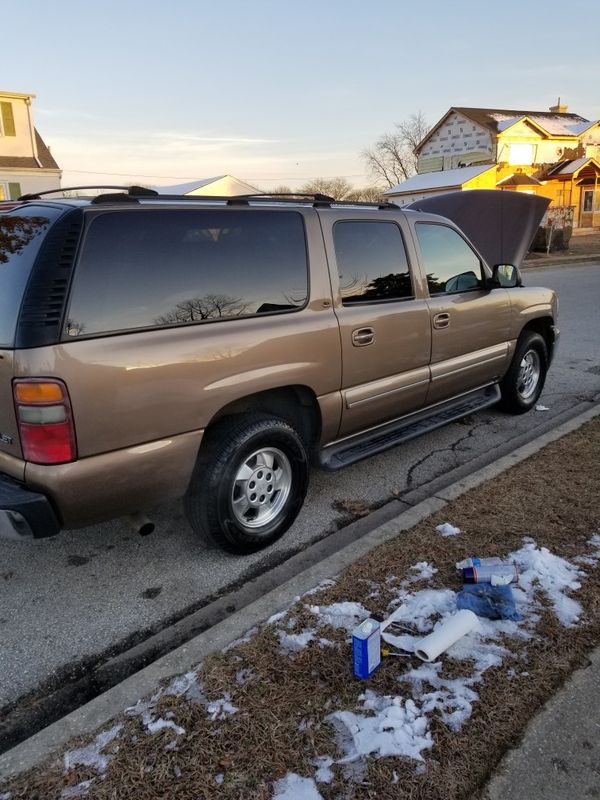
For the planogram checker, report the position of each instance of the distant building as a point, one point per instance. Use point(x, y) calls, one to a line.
point(551, 153)
point(221, 186)
point(26, 164)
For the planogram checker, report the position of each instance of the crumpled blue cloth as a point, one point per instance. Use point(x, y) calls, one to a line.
point(485, 600)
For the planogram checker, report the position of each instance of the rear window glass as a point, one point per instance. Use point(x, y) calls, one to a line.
point(21, 234)
point(155, 268)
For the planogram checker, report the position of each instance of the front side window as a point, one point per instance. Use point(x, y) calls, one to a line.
point(156, 268)
point(371, 260)
point(449, 262)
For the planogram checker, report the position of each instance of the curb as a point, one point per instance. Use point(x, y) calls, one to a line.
point(111, 703)
point(560, 261)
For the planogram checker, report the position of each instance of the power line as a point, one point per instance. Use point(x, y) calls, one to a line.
point(187, 177)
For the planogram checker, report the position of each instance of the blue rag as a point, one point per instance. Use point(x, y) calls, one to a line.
point(485, 600)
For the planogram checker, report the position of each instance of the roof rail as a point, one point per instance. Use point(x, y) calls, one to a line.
point(134, 191)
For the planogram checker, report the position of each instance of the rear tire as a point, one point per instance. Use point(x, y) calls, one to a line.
point(523, 383)
point(249, 482)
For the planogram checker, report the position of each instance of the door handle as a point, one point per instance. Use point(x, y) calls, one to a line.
point(363, 336)
point(441, 320)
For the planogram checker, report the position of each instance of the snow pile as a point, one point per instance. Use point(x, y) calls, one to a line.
point(91, 755)
point(446, 529)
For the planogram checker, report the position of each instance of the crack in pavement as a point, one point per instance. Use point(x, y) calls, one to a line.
point(452, 449)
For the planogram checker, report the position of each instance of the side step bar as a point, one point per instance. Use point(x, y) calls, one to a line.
point(340, 454)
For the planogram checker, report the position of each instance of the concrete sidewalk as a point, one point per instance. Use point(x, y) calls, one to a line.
point(559, 755)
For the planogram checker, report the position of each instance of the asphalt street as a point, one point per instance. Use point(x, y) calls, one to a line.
point(78, 595)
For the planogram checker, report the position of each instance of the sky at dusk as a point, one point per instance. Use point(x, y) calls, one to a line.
point(277, 91)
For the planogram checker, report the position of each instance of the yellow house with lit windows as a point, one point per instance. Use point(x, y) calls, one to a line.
point(551, 153)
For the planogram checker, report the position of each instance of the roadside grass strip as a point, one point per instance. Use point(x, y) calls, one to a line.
point(278, 714)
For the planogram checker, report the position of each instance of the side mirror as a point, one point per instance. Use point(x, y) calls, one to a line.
point(505, 276)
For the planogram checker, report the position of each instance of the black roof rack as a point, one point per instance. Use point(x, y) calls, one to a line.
point(131, 194)
point(132, 191)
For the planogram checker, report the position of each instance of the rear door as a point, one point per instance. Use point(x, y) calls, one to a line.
point(469, 323)
point(382, 314)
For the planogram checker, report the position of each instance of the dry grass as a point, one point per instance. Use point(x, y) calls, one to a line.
point(552, 497)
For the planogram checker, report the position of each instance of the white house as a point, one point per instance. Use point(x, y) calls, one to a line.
point(26, 164)
point(221, 186)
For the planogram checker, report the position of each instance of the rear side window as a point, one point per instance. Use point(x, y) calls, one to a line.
point(155, 268)
point(21, 235)
point(450, 264)
point(371, 260)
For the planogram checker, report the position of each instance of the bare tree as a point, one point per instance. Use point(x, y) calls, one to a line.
point(209, 306)
point(368, 194)
point(392, 158)
point(338, 188)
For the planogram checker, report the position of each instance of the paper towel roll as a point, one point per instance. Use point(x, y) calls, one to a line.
point(453, 629)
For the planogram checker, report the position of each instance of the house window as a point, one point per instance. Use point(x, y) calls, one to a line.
point(7, 120)
point(520, 154)
point(10, 191)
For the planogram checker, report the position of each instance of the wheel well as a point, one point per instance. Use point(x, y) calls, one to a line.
point(543, 326)
point(297, 405)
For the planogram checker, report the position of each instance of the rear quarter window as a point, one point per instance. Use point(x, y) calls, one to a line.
point(21, 235)
point(158, 268)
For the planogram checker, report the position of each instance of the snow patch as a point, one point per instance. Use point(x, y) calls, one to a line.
point(446, 529)
point(222, 708)
point(91, 755)
point(324, 773)
point(394, 728)
point(340, 615)
point(295, 787)
point(423, 571)
point(540, 407)
point(294, 642)
point(554, 576)
point(80, 790)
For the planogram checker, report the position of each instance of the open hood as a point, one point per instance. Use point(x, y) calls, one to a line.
point(501, 224)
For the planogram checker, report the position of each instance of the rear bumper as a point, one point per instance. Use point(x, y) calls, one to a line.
point(25, 514)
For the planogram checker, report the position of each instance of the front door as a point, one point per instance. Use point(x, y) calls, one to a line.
point(469, 323)
point(384, 325)
point(587, 208)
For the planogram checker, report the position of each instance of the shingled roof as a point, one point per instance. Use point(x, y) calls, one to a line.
point(553, 122)
point(45, 157)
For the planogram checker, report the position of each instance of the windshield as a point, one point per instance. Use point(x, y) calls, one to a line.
point(21, 235)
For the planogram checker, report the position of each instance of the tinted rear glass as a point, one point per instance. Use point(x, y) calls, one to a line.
point(154, 268)
point(21, 234)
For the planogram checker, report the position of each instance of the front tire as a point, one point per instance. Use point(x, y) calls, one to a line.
point(523, 383)
point(249, 482)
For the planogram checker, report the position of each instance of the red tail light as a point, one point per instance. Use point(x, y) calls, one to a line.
point(45, 421)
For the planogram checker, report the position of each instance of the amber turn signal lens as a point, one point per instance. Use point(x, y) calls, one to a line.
point(38, 392)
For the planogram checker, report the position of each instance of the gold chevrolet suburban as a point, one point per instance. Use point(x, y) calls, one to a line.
point(156, 347)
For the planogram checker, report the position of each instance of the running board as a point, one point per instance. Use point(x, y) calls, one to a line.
point(362, 445)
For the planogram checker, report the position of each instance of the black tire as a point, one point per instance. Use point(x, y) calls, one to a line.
point(523, 383)
point(238, 446)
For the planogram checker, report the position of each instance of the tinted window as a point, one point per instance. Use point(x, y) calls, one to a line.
point(371, 262)
point(450, 264)
point(155, 268)
point(21, 234)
